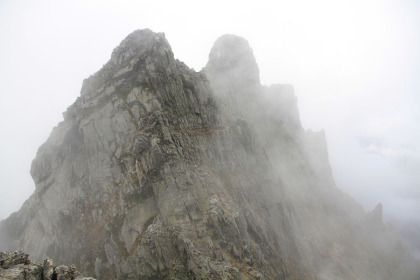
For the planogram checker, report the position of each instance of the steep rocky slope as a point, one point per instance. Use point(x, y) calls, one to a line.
point(160, 172)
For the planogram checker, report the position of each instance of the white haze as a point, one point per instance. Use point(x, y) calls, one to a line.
point(355, 67)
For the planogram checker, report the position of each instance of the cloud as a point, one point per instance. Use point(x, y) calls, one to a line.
point(354, 66)
point(387, 151)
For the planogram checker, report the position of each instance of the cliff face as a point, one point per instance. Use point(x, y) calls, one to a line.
point(160, 172)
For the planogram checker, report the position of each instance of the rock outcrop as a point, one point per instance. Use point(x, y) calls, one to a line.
point(16, 265)
point(161, 172)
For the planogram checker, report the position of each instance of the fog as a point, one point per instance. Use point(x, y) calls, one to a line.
point(354, 66)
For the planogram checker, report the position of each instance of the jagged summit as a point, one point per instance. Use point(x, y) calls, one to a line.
point(138, 49)
point(141, 42)
point(232, 54)
point(160, 172)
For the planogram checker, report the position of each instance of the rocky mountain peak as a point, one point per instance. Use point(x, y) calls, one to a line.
point(141, 42)
point(139, 49)
point(232, 55)
point(160, 172)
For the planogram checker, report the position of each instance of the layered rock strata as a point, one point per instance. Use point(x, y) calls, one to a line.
point(161, 172)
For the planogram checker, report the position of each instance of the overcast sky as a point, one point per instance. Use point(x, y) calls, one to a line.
point(355, 66)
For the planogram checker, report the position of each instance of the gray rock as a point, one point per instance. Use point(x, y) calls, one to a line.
point(33, 271)
point(11, 259)
point(65, 273)
point(48, 269)
point(16, 273)
point(161, 172)
point(15, 265)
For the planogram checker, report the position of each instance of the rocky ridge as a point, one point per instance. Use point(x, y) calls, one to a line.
point(16, 265)
point(161, 172)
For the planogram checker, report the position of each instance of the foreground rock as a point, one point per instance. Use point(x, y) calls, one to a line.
point(16, 265)
point(160, 172)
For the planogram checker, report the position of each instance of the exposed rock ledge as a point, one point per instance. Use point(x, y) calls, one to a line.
point(16, 265)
